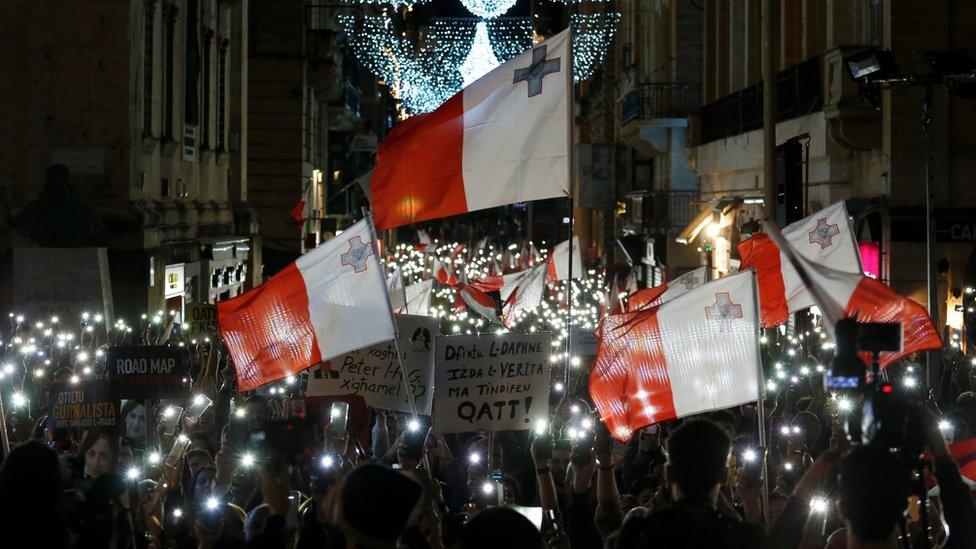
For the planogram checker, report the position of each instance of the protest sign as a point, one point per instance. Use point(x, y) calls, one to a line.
point(582, 342)
point(491, 382)
point(202, 318)
point(84, 405)
point(148, 371)
point(374, 372)
point(62, 281)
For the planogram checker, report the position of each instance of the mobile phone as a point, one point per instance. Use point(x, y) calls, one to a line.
point(196, 410)
point(550, 520)
point(544, 446)
point(180, 445)
point(169, 419)
point(338, 420)
point(212, 519)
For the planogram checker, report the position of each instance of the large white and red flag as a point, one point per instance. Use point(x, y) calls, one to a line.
point(558, 265)
point(479, 302)
point(652, 297)
point(695, 353)
point(503, 139)
point(824, 238)
point(841, 294)
point(331, 301)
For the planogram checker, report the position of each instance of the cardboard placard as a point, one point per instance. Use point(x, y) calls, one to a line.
point(84, 405)
point(374, 372)
point(491, 382)
point(148, 371)
point(202, 318)
point(582, 342)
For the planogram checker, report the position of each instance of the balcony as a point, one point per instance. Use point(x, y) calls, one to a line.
point(661, 211)
point(346, 113)
point(798, 92)
point(660, 100)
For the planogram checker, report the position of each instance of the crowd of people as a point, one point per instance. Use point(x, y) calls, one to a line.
point(241, 473)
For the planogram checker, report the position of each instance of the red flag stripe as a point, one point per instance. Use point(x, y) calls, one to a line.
point(761, 254)
point(271, 324)
point(872, 301)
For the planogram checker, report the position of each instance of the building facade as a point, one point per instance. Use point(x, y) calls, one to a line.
point(140, 106)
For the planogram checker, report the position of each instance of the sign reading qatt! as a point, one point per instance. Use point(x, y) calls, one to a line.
point(374, 372)
point(491, 382)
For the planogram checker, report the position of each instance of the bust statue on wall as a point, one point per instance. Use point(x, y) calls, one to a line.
point(59, 216)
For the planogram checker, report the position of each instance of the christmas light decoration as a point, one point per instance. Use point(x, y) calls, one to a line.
point(488, 9)
point(592, 35)
point(481, 59)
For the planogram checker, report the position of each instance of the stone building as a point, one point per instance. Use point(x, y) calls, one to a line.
point(141, 104)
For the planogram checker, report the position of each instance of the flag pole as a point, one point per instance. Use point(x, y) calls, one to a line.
point(760, 403)
point(569, 181)
point(396, 330)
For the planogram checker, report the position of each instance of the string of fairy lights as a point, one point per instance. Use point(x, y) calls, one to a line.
point(451, 53)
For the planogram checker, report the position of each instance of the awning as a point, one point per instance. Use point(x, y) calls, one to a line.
point(712, 213)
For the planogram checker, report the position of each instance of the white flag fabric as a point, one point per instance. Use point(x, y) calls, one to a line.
point(526, 296)
point(397, 291)
point(330, 301)
point(558, 265)
point(418, 297)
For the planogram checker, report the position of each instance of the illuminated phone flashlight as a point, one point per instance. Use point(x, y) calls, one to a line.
point(574, 409)
point(247, 460)
point(212, 503)
point(18, 399)
point(413, 425)
point(327, 461)
point(749, 455)
point(558, 386)
point(132, 473)
point(153, 458)
point(177, 513)
point(945, 425)
point(240, 413)
point(819, 505)
point(198, 399)
point(541, 426)
point(784, 430)
point(488, 487)
point(910, 382)
point(474, 458)
point(796, 429)
point(168, 411)
point(335, 411)
point(770, 385)
point(844, 404)
point(788, 466)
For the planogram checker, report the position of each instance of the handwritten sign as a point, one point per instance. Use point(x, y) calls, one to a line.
point(85, 405)
point(582, 342)
point(374, 372)
point(148, 371)
point(202, 318)
point(491, 382)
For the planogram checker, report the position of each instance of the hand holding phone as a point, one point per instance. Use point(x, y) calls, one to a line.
point(542, 449)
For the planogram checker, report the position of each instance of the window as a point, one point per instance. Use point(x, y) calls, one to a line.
point(169, 73)
point(222, 96)
point(149, 29)
point(207, 85)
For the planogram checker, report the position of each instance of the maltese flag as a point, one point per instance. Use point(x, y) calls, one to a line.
point(331, 301)
point(558, 265)
point(652, 297)
point(695, 353)
point(824, 238)
point(503, 139)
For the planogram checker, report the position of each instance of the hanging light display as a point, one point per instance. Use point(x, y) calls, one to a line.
point(592, 35)
point(488, 9)
point(480, 59)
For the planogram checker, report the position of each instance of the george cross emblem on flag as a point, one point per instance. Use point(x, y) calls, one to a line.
point(540, 67)
point(689, 281)
point(357, 255)
point(723, 309)
point(824, 233)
